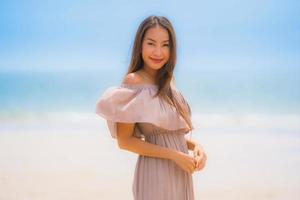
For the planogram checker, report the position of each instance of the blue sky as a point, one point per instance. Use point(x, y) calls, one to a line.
point(231, 54)
point(94, 35)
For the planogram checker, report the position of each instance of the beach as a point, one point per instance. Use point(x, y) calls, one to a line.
point(236, 63)
point(72, 156)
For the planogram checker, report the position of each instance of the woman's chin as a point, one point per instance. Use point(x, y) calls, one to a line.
point(156, 66)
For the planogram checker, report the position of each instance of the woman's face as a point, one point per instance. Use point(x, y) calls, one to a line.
point(155, 47)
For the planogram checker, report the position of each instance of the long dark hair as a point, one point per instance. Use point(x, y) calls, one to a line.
point(164, 74)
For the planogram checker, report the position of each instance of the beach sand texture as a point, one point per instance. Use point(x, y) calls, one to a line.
point(72, 156)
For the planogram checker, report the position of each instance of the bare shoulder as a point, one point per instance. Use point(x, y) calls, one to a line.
point(133, 78)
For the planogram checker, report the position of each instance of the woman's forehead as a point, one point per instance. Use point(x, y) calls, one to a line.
point(157, 34)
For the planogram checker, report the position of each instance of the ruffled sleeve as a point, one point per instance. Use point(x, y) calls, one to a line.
point(134, 104)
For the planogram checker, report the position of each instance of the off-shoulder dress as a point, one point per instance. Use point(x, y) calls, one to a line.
point(158, 123)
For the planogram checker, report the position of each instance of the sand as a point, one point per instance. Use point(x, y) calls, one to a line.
point(72, 156)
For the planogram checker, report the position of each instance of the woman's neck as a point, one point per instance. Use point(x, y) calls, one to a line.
point(149, 73)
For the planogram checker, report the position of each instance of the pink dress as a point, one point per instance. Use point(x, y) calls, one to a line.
point(158, 123)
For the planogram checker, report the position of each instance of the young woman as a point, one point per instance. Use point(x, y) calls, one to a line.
point(149, 116)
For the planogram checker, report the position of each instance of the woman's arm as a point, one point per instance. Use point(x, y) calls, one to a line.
point(127, 141)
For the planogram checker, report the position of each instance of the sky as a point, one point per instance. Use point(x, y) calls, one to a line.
point(231, 54)
point(97, 35)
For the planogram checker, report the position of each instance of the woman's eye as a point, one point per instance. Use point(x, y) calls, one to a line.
point(150, 43)
point(166, 45)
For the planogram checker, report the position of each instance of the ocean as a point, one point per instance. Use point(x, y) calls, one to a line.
point(207, 91)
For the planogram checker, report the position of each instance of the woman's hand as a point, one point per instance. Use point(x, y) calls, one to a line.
point(199, 157)
point(185, 161)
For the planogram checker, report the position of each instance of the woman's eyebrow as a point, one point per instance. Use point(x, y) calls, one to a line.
point(155, 41)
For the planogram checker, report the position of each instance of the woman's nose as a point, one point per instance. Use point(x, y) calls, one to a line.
point(157, 51)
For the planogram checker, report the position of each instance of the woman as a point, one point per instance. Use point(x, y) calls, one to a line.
point(149, 116)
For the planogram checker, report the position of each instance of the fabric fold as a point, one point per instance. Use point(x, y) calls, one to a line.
point(136, 103)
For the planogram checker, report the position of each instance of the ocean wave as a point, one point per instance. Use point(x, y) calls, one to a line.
point(200, 120)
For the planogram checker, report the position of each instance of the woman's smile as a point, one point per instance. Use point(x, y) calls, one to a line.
point(156, 60)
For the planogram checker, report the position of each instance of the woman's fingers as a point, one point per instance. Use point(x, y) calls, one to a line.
point(197, 161)
point(189, 166)
point(201, 164)
point(189, 163)
point(192, 165)
point(198, 151)
point(195, 152)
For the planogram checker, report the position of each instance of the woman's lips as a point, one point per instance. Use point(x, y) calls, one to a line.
point(156, 60)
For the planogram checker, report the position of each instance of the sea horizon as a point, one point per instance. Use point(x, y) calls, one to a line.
point(78, 91)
